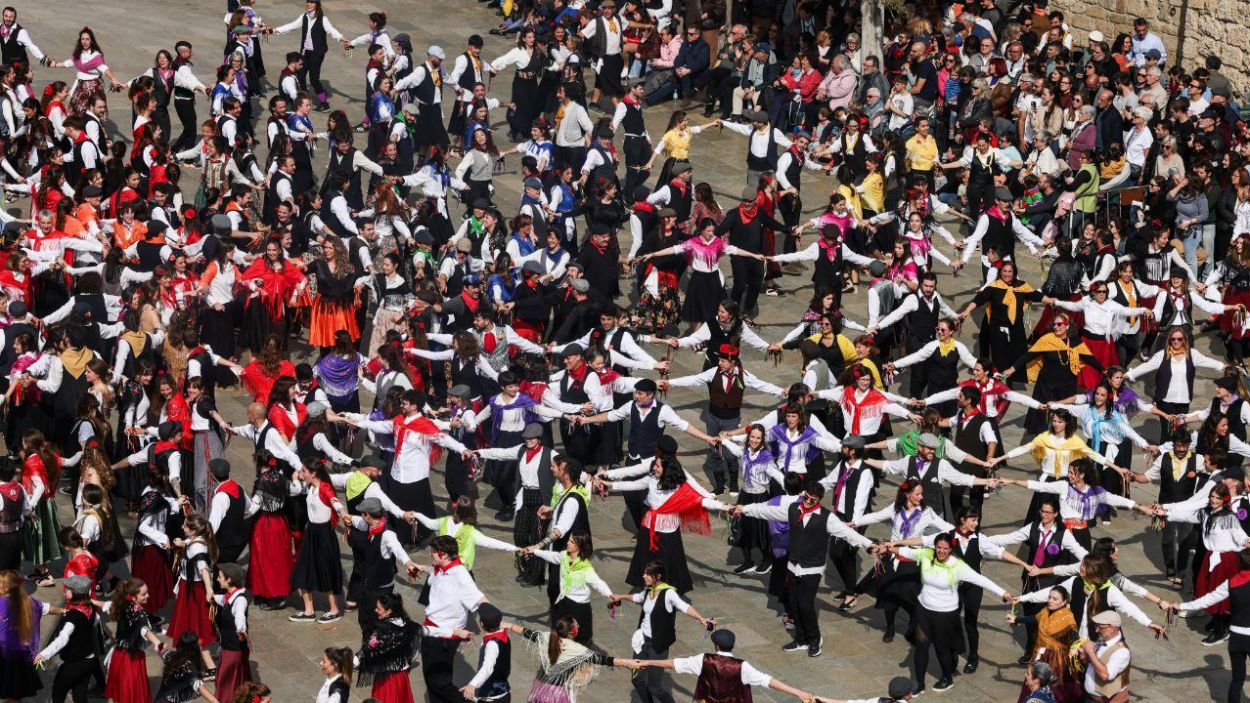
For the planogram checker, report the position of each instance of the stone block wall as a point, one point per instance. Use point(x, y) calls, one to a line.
point(1191, 29)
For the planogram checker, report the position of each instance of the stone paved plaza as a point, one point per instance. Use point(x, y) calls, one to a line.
point(855, 662)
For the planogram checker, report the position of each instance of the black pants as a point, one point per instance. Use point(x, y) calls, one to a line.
point(845, 562)
point(438, 657)
point(635, 501)
point(919, 372)
point(1175, 550)
point(920, 657)
point(73, 679)
point(961, 496)
point(748, 277)
point(801, 607)
point(1165, 427)
point(970, 597)
point(979, 198)
point(649, 684)
point(1238, 649)
point(573, 156)
point(637, 154)
point(1127, 347)
point(190, 124)
point(310, 73)
point(791, 207)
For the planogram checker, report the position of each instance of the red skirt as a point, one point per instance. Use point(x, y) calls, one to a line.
point(127, 678)
point(191, 614)
point(1233, 323)
point(272, 552)
point(1149, 325)
point(151, 566)
point(393, 687)
point(1209, 579)
point(233, 670)
point(327, 319)
point(1105, 352)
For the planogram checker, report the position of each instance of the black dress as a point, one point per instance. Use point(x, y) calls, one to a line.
point(1055, 381)
point(1003, 338)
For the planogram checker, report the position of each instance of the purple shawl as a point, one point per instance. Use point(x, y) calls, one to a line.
point(521, 402)
point(10, 646)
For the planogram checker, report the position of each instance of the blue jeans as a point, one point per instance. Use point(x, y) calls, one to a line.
point(1191, 240)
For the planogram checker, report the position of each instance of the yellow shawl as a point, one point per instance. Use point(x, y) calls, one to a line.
point(75, 361)
point(1066, 451)
point(1009, 297)
point(1050, 343)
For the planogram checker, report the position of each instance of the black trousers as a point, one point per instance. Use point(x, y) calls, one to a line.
point(1238, 650)
point(573, 156)
point(190, 124)
point(637, 154)
point(845, 562)
point(1175, 549)
point(979, 198)
point(801, 607)
point(635, 501)
point(960, 496)
point(791, 207)
point(748, 277)
point(310, 73)
point(649, 684)
point(73, 679)
point(438, 657)
point(970, 598)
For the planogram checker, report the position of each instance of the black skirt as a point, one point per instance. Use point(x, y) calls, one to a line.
point(608, 80)
point(318, 567)
point(672, 554)
point(18, 679)
point(753, 533)
point(704, 293)
point(430, 130)
point(527, 102)
point(411, 496)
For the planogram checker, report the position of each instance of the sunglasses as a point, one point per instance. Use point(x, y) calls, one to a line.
point(1058, 324)
point(1176, 339)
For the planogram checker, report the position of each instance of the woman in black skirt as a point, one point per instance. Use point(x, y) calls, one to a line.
point(217, 321)
point(529, 61)
point(1053, 364)
point(318, 567)
point(1003, 337)
point(937, 619)
point(755, 463)
point(674, 503)
point(577, 580)
point(705, 288)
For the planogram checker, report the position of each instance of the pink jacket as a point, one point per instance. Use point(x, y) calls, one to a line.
point(668, 54)
point(839, 87)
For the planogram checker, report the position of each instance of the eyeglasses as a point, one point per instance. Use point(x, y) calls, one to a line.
point(1176, 339)
point(1100, 290)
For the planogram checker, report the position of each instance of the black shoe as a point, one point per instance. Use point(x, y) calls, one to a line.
point(1209, 627)
point(744, 567)
point(505, 515)
point(919, 690)
point(322, 107)
point(971, 666)
point(813, 650)
point(1024, 660)
point(302, 617)
point(888, 636)
point(943, 684)
point(1214, 638)
point(794, 646)
point(708, 111)
point(764, 568)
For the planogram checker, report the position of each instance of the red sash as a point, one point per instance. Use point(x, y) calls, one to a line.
point(686, 503)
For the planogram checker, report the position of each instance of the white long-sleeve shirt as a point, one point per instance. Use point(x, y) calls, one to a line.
point(1107, 319)
point(834, 526)
point(579, 593)
point(757, 141)
point(1178, 390)
point(1077, 505)
point(939, 585)
point(1032, 241)
point(412, 460)
point(1115, 598)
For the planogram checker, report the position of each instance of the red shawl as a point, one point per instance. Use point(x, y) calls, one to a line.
point(419, 424)
point(325, 491)
point(32, 467)
point(259, 383)
point(687, 503)
point(281, 419)
point(860, 410)
point(178, 411)
point(278, 285)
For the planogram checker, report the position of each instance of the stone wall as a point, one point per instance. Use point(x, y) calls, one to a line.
point(1191, 29)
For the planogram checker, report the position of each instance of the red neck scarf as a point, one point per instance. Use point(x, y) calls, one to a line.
point(747, 213)
point(325, 491)
point(378, 528)
point(230, 487)
point(531, 453)
point(804, 512)
point(469, 301)
point(419, 424)
point(680, 185)
point(448, 566)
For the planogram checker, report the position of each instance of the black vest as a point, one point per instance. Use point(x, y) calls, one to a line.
point(497, 683)
point(227, 632)
point(81, 643)
point(1000, 235)
point(1059, 556)
point(233, 532)
point(149, 255)
point(472, 74)
point(922, 321)
point(581, 523)
point(1174, 490)
point(11, 52)
point(663, 623)
point(1163, 378)
point(982, 175)
point(374, 571)
point(633, 122)
point(572, 390)
point(972, 555)
point(179, 92)
point(1239, 598)
point(794, 172)
point(768, 161)
point(968, 438)
point(644, 434)
point(724, 404)
point(341, 166)
point(318, 34)
point(929, 479)
point(850, 490)
point(808, 543)
point(425, 91)
point(271, 196)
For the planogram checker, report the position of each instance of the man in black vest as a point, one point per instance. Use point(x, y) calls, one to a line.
point(677, 194)
point(598, 169)
point(977, 435)
point(811, 526)
point(933, 473)
point(725, 677)
point(184, 98)
point(536, 474)
point(570, 514)
point(494, 660)
point(854, 485)
point(745, 225)
point(762, 142)
point(637, 146)
point(998, 228)
point(15, 41)
point(379, 556)
point(227, 513)
point(919, 311)
point(790, 166)
point(426, 82)
point(1180, 472)
point(346, 162)
point(726, 382)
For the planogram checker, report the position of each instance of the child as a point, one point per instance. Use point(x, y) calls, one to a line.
point(233, 670)
point(182, 677)
point(494, 660)
point(81, 562)
point(127, 680)
point(75, 642)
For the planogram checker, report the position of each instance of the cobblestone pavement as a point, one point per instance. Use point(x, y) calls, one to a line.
point(855, 663)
